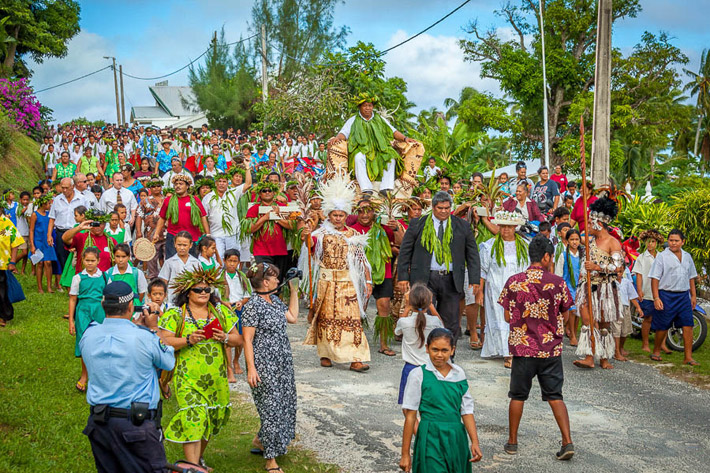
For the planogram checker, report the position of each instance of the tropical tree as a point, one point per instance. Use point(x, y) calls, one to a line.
point(699, 86)
point(453, 105)
point(40, 29)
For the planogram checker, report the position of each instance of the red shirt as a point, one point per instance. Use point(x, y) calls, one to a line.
point(100, 242)
point(561, 180)
point(578, 212)
point(390, 236)
point(184, 222)
point(536, 300)
point(266, 244)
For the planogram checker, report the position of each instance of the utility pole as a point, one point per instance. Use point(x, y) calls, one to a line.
point(264, 77)
point(601, 134)
point(115, 87)
point(123, 105)
point(546, 162)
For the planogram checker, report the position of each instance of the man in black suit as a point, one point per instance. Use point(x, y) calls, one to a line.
point(417, 263)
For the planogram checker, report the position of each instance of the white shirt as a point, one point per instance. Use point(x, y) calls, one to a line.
point(23, 224)
point(172, 268)
point(126, 235)
point(236, 291)
point(168, 177)
point(412, 353)
point(217, 206)
point(62, 211)
point(76, 280)
point(108, 201)
point(627, 291)
point(89, 197)
point(435, 266)
point(642, 266)
point(673, 274)
point(345, 130)
point(141, 282)
point(413, 391)
point(430, 172)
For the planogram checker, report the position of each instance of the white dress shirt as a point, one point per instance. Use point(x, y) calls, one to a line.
point(673, 274)
point(217, 206)
point(62, 211)
point(643, 266)
point(435, 266)
point(89, 197)
point(413, 391)
point(108, 201)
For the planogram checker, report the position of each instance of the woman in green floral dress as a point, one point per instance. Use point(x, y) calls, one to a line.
point(200, 376)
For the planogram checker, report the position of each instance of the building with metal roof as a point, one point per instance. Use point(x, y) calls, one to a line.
point(173, 108)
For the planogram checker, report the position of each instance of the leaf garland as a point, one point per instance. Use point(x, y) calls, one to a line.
point(378, 252)
point(173, 212)
point(372, 138)
point(431, 243)
point(498, 250)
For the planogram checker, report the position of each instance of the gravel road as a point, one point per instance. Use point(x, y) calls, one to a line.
point(631, 418)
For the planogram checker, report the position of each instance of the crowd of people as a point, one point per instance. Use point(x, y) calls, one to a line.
point(196, 232)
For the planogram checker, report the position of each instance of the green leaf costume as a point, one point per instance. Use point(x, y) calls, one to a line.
point(372, 138)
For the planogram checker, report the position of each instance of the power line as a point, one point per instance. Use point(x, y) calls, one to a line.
point(425, 29)
point(188, 64)
point(382, 53)
point(73, 80)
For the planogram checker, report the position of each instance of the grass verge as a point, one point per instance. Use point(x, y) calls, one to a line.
point(21, 165)
point(672, 365)
point(42, 415)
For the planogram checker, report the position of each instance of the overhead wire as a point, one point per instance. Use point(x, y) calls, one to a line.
point(382, 53)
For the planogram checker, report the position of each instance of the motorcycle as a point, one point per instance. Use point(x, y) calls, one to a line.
point(674, 339)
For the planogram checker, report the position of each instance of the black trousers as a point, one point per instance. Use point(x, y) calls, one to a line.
point(446, 300)
point(119, 446)
point(60, 249)
point(6, 310)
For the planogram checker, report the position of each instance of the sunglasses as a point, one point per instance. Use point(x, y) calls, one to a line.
point(201, 290)
point(264, 191)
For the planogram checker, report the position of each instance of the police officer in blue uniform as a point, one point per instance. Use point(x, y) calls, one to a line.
point(122, 359)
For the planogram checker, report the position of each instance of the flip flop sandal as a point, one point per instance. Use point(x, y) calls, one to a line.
point(386, 351)
point(81, 387)
point(692, 363)
point(256, 451)
point(361, 369)
point(511, 448)
point(655, 358)
point(475, 345)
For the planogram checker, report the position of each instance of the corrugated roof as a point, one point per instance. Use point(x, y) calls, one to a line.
point(148, 112)
point(171, 99)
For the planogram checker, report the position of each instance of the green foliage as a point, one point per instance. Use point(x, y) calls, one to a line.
point(83, 121)
point(39, 29)
point(225, 88)
point(36, 439)
point(635, 215)
point(20, 161)
point(321, 99)
point(690, 212)
point(666, 188)
point(644, 83)
point(297, 33)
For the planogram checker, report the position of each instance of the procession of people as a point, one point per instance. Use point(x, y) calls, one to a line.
point(208, 230)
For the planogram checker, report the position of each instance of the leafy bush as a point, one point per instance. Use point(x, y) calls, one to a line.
point(21, 106)
point(690, 212)
point(635, 215)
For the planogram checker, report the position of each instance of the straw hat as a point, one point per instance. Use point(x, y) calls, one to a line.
point(144, 249)
point(503, 217)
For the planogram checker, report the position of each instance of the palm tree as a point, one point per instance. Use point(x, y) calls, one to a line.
point(700, 85)
point(452, 105)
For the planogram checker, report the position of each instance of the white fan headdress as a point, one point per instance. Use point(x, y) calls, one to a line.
point(338, 193)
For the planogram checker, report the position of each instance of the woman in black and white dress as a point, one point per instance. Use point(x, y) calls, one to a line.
point(267, 351)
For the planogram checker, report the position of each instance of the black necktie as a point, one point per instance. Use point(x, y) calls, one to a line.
point(440, 233)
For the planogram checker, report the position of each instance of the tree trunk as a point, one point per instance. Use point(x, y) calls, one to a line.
point(9, 61)
point(697, 134)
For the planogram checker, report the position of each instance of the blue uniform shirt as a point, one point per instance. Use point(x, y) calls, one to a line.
point(122, 359)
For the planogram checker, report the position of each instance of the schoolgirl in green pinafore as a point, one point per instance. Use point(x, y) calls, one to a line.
point(207, 249)
point(438, 390)
point(124, 271)
point(86, 294)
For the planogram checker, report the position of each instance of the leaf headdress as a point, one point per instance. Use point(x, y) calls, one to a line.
point(213, 277)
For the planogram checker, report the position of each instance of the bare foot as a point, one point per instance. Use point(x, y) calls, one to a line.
point(238, 369)
point(50, 291)
point(230, 377)
point(604, 364)
point(666, 350)
point(646, 349)
point(40, 291)
point(573, 342)
point(620, 357)
point(624, 352)
point(584, 364)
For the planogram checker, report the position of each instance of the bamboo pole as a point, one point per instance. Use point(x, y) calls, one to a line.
point(587, 256)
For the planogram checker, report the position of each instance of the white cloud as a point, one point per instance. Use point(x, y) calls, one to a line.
point(434, 69)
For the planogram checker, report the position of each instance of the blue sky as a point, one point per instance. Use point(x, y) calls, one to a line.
point(154, 38)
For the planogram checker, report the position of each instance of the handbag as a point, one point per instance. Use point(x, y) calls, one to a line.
point(14, 288)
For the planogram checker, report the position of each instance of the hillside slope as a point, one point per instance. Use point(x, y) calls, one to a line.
point(21, 166)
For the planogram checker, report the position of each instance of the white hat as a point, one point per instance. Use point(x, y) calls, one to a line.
point(503, 217)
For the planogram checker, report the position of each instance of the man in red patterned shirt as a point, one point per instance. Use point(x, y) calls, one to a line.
point(536, 305)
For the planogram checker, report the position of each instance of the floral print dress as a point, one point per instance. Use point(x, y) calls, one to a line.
point(200, 381)
point(275, 395)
